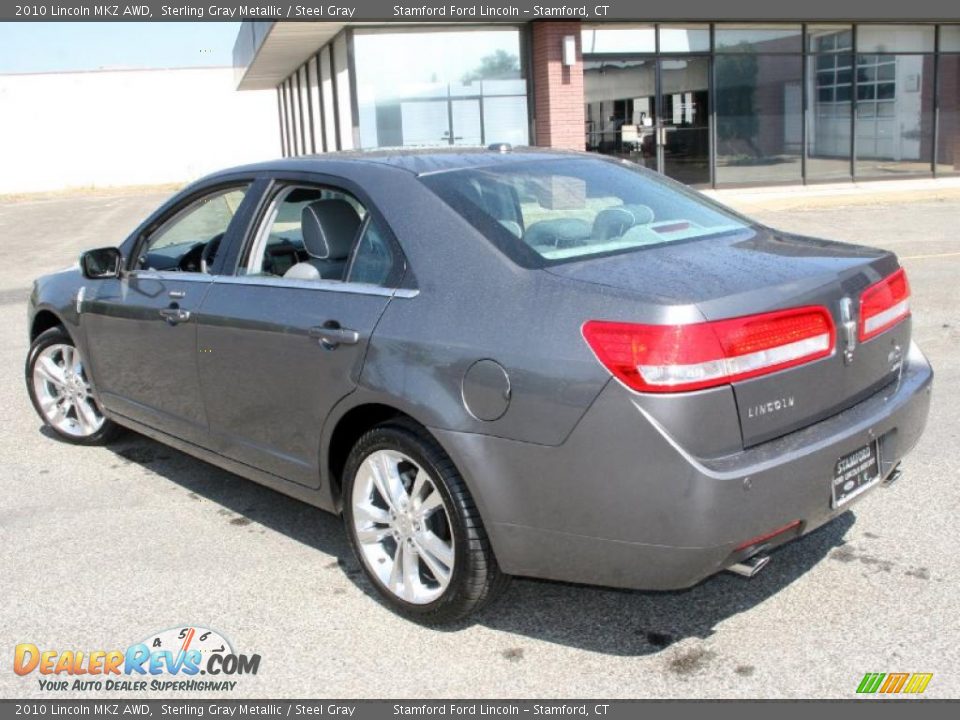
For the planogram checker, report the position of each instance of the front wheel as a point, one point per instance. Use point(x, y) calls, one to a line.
point(415, 528)
point(61, 393)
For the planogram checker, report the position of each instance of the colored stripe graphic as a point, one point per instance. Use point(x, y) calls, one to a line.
point(894, 683)
point(918, 683)
point(870, 682)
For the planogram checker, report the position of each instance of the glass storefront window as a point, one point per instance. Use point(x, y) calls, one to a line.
point(313, 77)
point(894, 114)
point(830, 93)
point(293, 93)
point(619, 39)
point(282, 108)
point(341, 77)
point(895, 38)
point(948, 127)
point(477, 96)
point(684, 38)
point(950, 38)
point(326, 93)
point(829, 38)
point(620, 108)
point(759, 107)
point(758, 38)
point(869, 89)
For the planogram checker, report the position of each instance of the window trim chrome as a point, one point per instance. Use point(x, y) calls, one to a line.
point(286, 283)
point(199, 277)
point(350, 288)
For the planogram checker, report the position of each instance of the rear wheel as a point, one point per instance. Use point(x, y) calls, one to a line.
point(415, 528)
point(61, 393)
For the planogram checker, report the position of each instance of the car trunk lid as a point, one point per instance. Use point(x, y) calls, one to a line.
point(759, 271)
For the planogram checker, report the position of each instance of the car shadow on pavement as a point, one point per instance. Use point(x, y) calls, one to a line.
point(633, 623)
point(602, 620)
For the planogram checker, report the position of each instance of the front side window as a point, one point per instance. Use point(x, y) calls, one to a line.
point(542, 212)
point(189, 240)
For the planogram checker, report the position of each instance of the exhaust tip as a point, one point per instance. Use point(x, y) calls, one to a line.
point(751, 566)
point(893, 476)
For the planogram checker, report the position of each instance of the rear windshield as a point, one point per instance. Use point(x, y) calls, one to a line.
point(549, 211)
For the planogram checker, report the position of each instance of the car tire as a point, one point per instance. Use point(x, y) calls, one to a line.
point(61, 392)
point(417, 524)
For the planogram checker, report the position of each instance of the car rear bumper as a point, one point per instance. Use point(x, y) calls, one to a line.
point(622, 503)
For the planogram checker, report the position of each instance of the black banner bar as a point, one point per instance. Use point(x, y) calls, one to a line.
point(490, 11)
point(66, 709)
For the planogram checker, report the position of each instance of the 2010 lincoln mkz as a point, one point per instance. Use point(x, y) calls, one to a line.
point(495, 363)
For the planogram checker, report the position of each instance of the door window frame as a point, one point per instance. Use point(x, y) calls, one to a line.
point(177, 207)
point(275, 186)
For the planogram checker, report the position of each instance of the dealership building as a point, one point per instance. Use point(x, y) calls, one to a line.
point(711, 104)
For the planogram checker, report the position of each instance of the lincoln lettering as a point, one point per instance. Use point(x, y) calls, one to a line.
point(770, 407)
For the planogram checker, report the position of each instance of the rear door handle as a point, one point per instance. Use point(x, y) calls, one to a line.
point(331, 335)
point(174, 315)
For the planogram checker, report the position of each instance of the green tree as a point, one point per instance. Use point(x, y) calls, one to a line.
point(499, 65)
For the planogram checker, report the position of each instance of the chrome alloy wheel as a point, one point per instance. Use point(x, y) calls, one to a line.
point(402, 526)
point(63, 392)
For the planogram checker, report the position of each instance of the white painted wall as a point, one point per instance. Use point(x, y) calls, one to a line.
point(129, 127)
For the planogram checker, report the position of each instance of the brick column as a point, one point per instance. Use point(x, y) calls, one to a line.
point(558, 89)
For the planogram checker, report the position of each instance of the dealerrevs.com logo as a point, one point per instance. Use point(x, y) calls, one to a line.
point(188, 658)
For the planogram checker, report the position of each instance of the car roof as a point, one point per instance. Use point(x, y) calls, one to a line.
point(417, 161)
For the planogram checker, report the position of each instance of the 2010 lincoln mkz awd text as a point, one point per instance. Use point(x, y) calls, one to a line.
point(495, 363)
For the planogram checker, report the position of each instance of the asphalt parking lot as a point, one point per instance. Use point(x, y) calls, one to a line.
point(100, 547)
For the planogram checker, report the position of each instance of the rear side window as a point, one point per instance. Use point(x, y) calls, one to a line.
point(548, 211)
point(321, 233)
point(309, 233)
point(373, 260)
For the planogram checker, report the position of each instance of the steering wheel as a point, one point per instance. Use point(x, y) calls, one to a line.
point(210, 252)
point(190, 262)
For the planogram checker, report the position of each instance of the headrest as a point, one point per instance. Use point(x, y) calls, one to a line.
point(558, 232)
point(615, 221)
point(329, 227)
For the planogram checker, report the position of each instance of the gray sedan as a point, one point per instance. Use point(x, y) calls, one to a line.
point(495, 363)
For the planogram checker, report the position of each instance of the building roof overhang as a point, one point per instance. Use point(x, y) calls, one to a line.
point(266, 53)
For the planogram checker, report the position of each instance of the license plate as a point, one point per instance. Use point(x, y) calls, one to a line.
point(855, 472)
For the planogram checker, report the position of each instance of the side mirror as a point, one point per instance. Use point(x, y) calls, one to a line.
point(101, 263)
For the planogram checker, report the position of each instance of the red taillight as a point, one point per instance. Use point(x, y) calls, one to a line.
point(884, 304)
point(675, 358)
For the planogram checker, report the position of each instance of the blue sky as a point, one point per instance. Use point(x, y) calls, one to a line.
point(54, 46)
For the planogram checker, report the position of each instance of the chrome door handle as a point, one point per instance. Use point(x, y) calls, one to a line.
point(174, 315)
point(331, 335)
